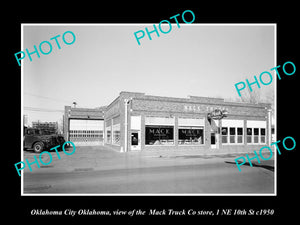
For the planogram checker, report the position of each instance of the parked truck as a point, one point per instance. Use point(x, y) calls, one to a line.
point(40, 140)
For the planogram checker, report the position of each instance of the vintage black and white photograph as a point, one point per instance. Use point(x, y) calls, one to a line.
point(148, 109)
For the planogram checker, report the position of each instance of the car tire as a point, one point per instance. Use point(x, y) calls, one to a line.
point(38, 147)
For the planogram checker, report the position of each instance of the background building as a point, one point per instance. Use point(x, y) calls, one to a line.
point(50, 127)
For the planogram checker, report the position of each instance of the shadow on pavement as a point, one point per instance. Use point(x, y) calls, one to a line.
point(206, 156)
point(271, 168)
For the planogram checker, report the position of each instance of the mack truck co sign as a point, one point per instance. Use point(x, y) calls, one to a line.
point(203, 108)
point(217, 114)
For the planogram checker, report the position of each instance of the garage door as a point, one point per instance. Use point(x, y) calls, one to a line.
point(86, 132)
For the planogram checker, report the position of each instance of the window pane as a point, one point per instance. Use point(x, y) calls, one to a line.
point(224, 135)
point(224, 139)
point(190, 135)
point(116, 137)
point(249, 131)
point(232, 138)
point(232, 134)
point(240, 139)
point(256, 131)
point(240, 131)
point(134, 138)
point(224, 130)
point(262, 131)
point(159, 135)
point(263, 139)
point(249, 137)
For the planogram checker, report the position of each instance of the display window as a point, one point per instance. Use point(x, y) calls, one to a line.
point(256, 131)
point(232, 135)
point(159, 135)
point(256, 135)
point(190, 135)
point(232, 131)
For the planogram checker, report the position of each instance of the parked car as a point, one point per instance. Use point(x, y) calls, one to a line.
point(39, 141)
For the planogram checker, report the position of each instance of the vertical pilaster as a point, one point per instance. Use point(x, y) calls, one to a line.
point(245, 133)
point(143, 135)
point(176, 131)
point(220, 134)
point(269, 126)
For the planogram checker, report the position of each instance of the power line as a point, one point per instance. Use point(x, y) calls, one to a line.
point(53, 99)
point(41, 109)
point(56, 100)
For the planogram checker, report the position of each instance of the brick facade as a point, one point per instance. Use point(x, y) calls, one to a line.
point(119, 135)
point(193, 107)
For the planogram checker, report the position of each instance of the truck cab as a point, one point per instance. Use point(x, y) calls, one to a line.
point(40, 140)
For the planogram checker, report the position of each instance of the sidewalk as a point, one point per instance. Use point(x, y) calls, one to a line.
point(97, 158)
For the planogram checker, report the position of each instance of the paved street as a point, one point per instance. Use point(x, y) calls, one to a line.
point(100, 171)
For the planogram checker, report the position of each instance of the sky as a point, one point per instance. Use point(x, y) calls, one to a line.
point(105, 59)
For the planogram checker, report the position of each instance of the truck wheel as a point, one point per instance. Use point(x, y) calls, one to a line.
point(38, 147)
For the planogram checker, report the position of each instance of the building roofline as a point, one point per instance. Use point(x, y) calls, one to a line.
point(101, 108)
point(197, 100)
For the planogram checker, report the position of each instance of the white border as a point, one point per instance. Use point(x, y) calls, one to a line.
point(275, 110)
point(22, 111)
point(142, 24)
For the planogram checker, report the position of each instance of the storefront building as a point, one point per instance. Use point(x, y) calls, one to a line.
point(139, 122)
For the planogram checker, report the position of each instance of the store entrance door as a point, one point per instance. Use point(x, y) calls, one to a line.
point(213, 140)
point(135, 140)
